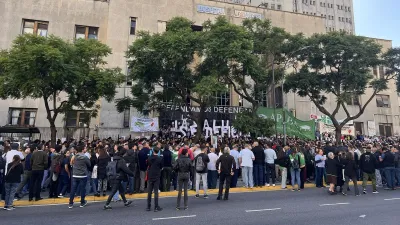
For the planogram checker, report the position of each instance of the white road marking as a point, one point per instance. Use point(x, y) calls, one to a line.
point(175, 217)
point(362, 216)
point(261, 210)
point(342, 203)
point(391, 199)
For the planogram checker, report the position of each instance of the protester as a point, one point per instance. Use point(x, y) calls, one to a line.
point(225, 163)
point(155, 165)
point(284, 163)
point(320, 168)
point(80, 170)
point(246, 158)
point(131, 161)
point(331, 171)
point(167, 170)
point(368, 166)
point(39, 163)
point(121, 175)
point(258, 165)
point(387, 158)
point(212, 174)
point(235, 155)
point(27, 172)
point(182, 168)
point(201, 162)
point(142, 158)
point(350, 172)
point(12, 180)
point(65, 175)
point(270, 157)
point(295, 168)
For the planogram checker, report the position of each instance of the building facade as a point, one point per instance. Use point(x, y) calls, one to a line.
point(115, 23)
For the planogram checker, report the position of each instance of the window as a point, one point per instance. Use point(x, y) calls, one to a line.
point(264, 98)
point(320, 4)
point(133, 26)
point(223, 99)
point(381, 72)
point(35, 27)
point(128, 78)
point(272, 6)
point(349, 9)
point(347, 20)
point(359, 127)
point(197, 28)
point(279, 7)
point(127, 113)
point(341, 7)
point(354, 100)
point(383, 101)
point(22, 117)
point(338, 6)
point(86, 32)
point(375, 71)
point(385, 129)
point(77, 119)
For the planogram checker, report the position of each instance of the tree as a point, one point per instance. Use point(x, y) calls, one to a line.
point(164, 69)
point(337, 65)
point(247, 124)
point(249, 58)
point(65, 75)
point(392, 63)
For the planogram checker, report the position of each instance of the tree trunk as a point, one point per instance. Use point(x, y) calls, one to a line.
point(338, 135)
point(53, 131)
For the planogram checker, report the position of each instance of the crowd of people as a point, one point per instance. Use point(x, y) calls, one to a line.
point(120, 167)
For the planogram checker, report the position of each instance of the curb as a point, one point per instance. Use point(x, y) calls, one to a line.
point(91, 198)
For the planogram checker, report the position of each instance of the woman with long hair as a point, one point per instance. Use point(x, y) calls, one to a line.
point(12, 180)
point(283, 162)
point(102, 162)
point(295, 168)
point(350, 172)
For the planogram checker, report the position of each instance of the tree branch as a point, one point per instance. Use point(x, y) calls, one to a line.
point(361, 111)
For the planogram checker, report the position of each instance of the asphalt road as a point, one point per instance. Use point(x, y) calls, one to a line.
point(310, 206)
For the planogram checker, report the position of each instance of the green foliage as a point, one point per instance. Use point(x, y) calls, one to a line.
point(392, 63)
point(164, 68)
point(337, 64)
point(248, 123)
point(54, 69)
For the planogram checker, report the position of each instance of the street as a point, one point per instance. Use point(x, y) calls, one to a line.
point(310, 206)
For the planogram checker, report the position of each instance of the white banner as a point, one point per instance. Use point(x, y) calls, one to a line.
point(144, 124)
point(371, 128)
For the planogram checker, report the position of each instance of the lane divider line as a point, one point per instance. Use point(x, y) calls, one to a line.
point(340, 203)
point(391, 199)
point(261, 210)
point(175, 217)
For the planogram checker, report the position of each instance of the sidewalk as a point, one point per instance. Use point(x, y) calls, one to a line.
point(91, 198)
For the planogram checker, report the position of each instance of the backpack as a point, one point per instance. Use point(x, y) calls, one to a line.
point(2, 162)
point(296, 163)
point(112, 169)
point(200, 165)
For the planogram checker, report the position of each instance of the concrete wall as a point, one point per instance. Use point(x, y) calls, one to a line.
point(113, 20)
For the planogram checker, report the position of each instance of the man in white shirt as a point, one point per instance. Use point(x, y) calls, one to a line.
point(235, 154)
point(270, 157)
point(10, 154)
point(212, 174)
point(246, 158)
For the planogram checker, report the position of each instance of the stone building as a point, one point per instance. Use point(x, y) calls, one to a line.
point(115, 23)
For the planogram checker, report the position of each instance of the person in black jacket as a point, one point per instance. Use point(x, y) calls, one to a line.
point(331, 165)
point(167, 170)
point(155, 164)
point(132, 162)
point(116, 183)
point(350, 172)
point(12, 180)
point(102, 162)
point(182, 167)
point(387, 159)
point(225, 172)
point(258, 165)
point(368, 165)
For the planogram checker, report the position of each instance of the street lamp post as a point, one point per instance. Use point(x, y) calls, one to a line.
point(283, 109)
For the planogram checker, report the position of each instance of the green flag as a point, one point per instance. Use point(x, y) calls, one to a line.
point(294, 126)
